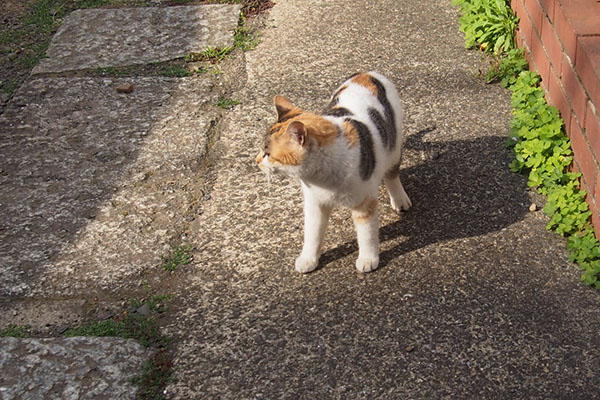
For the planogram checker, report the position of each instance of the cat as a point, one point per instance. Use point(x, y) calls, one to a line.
point(341, 157)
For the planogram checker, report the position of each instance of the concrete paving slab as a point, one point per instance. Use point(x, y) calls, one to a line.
point(95, 184)
point(474, 299)
point(97, 38)
point(71, 369)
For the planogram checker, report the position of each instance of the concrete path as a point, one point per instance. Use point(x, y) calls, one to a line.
point(96, 185)
point(474, 298)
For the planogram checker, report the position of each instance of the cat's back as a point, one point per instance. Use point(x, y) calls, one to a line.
point(362, 91)
point(368, 109)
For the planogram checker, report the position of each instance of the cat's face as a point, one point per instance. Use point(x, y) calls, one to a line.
point(286, 143)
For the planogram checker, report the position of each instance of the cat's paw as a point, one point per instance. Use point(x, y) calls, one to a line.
point(306, 265)
point(367, 264)
point(402, 203)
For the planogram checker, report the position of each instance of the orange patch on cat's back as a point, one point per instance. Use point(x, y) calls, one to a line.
point(365, 80)
point(350, 133)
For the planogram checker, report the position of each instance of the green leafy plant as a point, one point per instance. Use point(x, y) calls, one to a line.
point(180, 255)
point(488, 24)
point(506, 68)
point(584, 250)
point(541, 148)
point(543, 152)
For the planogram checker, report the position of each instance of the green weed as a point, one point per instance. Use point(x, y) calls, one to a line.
point(488, 24)
point(17, 331)
point(243, 37)
point(156, 374)
point(143, 329)
point(506, 68)
point(177, 71)
point(158, 302)
point(226, 104)
point(180, 255)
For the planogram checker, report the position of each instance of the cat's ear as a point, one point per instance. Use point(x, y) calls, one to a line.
point(297, 131)
point(283, 106)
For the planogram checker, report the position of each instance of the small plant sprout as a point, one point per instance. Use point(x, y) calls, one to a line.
point(226, 104)
point(180, 255)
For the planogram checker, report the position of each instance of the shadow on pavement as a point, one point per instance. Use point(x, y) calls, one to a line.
point(463, 189)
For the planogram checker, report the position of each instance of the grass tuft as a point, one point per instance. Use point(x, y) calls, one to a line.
point(180, 255)
point(17, 331)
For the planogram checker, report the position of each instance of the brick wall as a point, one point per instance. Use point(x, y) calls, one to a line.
point(561, 39)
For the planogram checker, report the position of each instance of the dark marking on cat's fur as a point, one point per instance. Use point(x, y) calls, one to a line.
point(393, 172)
point(383, 127)
point(388, 111)
point(332, 108)
point(367, 152)
point(338, 112)
point(289, 115)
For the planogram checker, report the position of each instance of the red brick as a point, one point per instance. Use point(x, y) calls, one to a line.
point(589, 197)
point(552, 44)
point(583, 156)
point(592, 130)
point(536, 14)
point(596, 223)
point(524, 23)
point(540, 59)
point(587, 65)
point(557, 98)
point(548, 7)
point(519, 39)
point(597, 193)
point(574, 91)
point(582, 15)
point(594, 209)
point(514, 4)
point(565, 31)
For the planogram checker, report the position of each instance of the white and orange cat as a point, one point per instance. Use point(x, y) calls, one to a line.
point(341, 157)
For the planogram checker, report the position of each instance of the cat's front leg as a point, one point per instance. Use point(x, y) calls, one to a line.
point(366, 221)
point(316, 216)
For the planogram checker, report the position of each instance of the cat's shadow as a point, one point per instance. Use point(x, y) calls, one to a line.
point(459, 189)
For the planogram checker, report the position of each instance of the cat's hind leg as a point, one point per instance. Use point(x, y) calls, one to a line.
point(399, 200)
point(366, 221)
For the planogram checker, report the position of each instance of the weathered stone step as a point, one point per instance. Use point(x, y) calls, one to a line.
point(98, 38)
point(73, 368)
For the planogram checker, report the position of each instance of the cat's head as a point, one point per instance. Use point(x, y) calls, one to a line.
point(290, 141)
point(286, 144)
